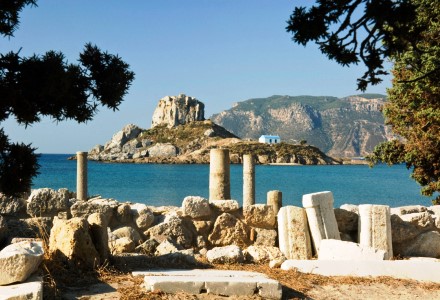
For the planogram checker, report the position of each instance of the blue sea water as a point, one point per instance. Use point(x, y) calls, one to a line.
point(155, 184)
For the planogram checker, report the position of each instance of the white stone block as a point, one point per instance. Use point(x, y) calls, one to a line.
point(293, 233)
point(32, 289)
point(374, 228)
point(219, 282)
point(341, 250)
point(227, 254)
point(225, 205)
point(427, 271)
point(321, 217)
point(18, 261)
point(196, 207)
point(175, 284)
point(269, 289)
point(230, 286)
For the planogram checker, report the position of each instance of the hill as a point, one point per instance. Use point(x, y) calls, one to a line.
point(340, 127)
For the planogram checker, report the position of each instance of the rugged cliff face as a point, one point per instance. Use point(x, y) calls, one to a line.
point(343, 127)
point(178, 110)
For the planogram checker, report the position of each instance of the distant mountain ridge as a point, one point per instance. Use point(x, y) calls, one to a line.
point(340, 127)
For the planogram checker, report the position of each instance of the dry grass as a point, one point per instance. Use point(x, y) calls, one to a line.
point(295, 285)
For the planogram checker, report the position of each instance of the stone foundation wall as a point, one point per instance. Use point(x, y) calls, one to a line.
point(198, 227)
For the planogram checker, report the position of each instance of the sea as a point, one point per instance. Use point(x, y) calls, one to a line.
point(161, 184)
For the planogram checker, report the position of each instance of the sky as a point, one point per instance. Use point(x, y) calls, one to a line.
point(218, 51)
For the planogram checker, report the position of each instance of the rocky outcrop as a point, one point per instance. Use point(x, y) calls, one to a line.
point(71, 241)
point(231, 254)
point(178, 110)
point(18, 261)
point(342, 127)
point(47, 202)
point(12, 206)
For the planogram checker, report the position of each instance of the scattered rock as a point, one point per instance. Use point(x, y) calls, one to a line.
point(435, 209)
point(3, 231)
point(225, 205)
point(277, 262)
point(420, 219)
point(148, 247)
point(265, 237)
point(162, 150)
point(99, 234)
point(403, 233)
point(347, 220)
point(262, 254)
point(228, 230)
point(179, 258)
point(127, 232)
point(260, 215)
point(70, 241)
point(425, 245)
point(122, 245)
point(409, 209)
point(167, 247)
point(142, 216)
point(97, 205)
point(203, 227)
point(123, 213)
point(29, 227)
point(196, 207)
point(12, 206)
point(180, 231)
point(47, 202)
point(18, 261)
point(231, 254)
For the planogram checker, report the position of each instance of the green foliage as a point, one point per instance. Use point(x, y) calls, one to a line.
point(46, 85)
point(260, 105)
point(9, 15)
point(184, 136)
point(349, 37)
point(413, 108)
point(408, 33)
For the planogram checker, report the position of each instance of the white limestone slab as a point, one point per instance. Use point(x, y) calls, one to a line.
point(174, 284)
point(427, 271)
point(321, 217)
point(198, 272)
point(32, 289)
point(219, 282)
point(342, 250)
point(374, 229)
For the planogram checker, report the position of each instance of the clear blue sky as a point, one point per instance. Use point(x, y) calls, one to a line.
point(219, 51)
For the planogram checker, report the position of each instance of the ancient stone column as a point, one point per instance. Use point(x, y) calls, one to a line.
point(275, 199)
point(293, 233)
point(374, 228)
point(81, 175)
point(248, 180)
point(321, 217)
point(219, 175)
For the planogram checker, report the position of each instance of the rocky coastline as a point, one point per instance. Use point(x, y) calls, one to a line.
point(179, 134)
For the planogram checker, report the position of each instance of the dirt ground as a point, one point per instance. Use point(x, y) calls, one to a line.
point(108, 283)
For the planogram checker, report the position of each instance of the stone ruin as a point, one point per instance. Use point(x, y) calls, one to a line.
point(91, 232)
point(178, 110)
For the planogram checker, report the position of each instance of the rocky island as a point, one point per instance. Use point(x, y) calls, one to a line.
point(179, 134)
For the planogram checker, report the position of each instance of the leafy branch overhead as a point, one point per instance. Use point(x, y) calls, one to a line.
point(407, 32)
point(354, 31)
point(49, 86)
